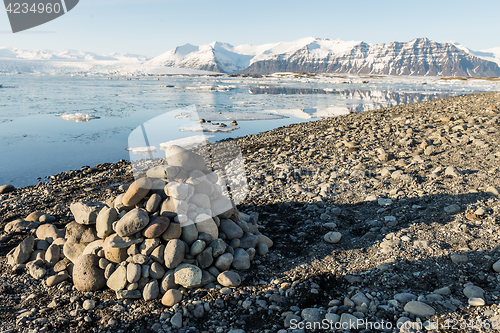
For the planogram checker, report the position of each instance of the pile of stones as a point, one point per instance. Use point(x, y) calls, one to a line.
point(174, 229)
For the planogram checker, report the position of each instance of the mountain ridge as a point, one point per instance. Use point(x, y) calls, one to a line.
point(420, 56)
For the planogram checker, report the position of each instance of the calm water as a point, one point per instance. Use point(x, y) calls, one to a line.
point(36, 142)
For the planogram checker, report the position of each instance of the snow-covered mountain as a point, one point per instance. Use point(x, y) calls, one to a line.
point(12, 53)
point(420, 56)
point(492, 54)
point(14, 60)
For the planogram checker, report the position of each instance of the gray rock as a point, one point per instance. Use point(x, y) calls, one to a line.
point(229, 279)
point(79, 233)
point(104, 222)
point(451, 171)
point(149, 245)
point(218, 246)
point(7, 189)
point(158, 254)
point(230, 229)
point(205, 223)
point(134, 272)
point(496, 266)
point(452, 209)
point(156, 271)
point(312, 315)
point(174, 253)
point(348, 320)
point(262, 249)
point(405, 297)
point(189, 234)
point(49, 232)
point(205, 258)
point(241, 259)
point(292, 319)
point(118, 280)
point(224, 262)
point(198, 311)
point(37, 272)
point(168, 282)
point(86, 212)
point(473, 291)
point(56, 279)
point(119, 242)
point(174, 231)
point(128, 294)
point(248, 240)
point(52, 254)
point(19, 225)
point(332, 237)
point(264, 239)
point(153, 203)
point(132, 222)
point(151, 290)
point(176, 320)
point(140, 259)
point(419, 309)
point(23, 251)
point(171, 297)
point(87, 275)
point(187, 275)
point(136, 191)
point(360, 299)
point(73, 251)
point(197, 247)
point(181, 157)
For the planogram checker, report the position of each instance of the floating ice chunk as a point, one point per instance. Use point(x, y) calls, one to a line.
point(142, 150)
point(188, 143)
point(78, 117)
point(209, 127)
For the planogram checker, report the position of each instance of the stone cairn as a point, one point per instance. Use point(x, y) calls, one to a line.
point(174, 228)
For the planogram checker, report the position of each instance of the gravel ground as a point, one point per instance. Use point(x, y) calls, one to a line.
point(411, 191)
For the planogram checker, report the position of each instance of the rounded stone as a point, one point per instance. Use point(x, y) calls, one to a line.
point(153, 203)
point(73, 251)
point(114, 254)
point(241, 259)
point(229, 279)
point(156, 271)
point(496, 266)
point(48, 232)
point(87, 276)
point(223, 263)
point(189, 234)
point(230, 229)
point(104, 222)
point(156, 227)
point(178, 156)
point(419, 309)
point(136, 191)
point(134, 272)
point(118, 280)
point(197, 247)
point(132, 222)
point(188, 275)
point(174, 231)
point(86, 212)
point(79, 233)
point(205, 223)
point(332, 237)
point(174, 253)
point(151, 290)
point(7, 189)
point(171, 297)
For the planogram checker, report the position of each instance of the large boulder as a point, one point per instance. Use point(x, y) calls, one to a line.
point(87, 276)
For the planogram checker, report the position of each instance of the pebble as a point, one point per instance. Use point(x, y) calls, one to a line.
point(23, 251)
point(452, 209)
point(419, 309)
point(88, 304)
point(104, 222)
point(223, 263)
point(132, 222)
point(156, 227)
point(206, 224)
point(128, 294)
point(241, 259)
point(156, 271)
point(174, 253)
point(86, 212)
point(229, 279)
point(136, 191)
point(56, 279)
point(49, 232)
point(151, 290)
point(171, 297)
point(87, 276)
point(7, 189)
point(134, 272)
point(459, 258)
point(332, 237)
point(118, 280)
point(176, 320)
point(187, 275)
point(230, 229)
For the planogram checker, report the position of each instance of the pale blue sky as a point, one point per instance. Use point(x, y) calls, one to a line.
point(152, 27)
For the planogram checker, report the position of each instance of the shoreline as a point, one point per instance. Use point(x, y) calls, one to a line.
point(410, 189)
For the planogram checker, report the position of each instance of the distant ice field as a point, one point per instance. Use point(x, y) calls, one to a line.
point(50, 124)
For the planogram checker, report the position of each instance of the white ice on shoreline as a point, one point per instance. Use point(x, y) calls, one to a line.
point(208, 127)
point(228, 116)
point(78, 117)
point(320, 112)
point(188, 143)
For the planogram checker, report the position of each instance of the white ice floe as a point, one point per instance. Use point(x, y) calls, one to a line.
point(228, 116)
point(78, 117)
point(142, 150)
point(320, 112)
point(188, 143)
point(209, 127)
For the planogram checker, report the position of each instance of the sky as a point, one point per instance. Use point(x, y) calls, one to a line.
point(152, 27)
